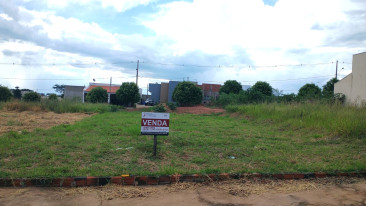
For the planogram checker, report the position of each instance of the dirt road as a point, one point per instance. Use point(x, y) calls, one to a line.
point(239, 192)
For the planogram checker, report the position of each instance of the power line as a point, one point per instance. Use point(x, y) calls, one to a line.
point(278, 80)
point(169, 64)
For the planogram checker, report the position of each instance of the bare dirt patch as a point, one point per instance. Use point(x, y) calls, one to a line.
point(30, 120)
point(328, 191)
point(199, 110)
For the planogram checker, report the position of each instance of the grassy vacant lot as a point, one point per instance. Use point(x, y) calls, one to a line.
point(111, 144)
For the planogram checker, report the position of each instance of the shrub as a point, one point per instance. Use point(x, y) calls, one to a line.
point(52, 97)
point(159, 108)
point(172, 105)
point(32, 97)
point(187, 94)
point(97, 95)
point(5, 94)
point(128, 93)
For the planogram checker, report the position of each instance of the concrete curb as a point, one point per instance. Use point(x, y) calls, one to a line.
point(84, 181)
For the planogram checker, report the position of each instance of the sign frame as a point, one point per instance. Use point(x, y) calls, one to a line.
point(154, 123)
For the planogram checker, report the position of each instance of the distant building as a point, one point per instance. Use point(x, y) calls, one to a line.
point(210, 92)
point(73, 92)
point(163, 93)
point(353, 86)
point(111, 90)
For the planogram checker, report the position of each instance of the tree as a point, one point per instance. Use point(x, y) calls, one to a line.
point(187, 94)
point(128, 93)
point(5, 94)
point(32, 97)
point(59, 88)
point(263, 87)
point(231, 86)
point(309, 91)
point(17, 93)
point(97, 95)
point(328, 88)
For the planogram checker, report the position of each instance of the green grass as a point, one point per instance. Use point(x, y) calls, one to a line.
point(111, 144)
point(336, 119)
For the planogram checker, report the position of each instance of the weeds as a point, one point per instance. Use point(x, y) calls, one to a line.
point(63, 106)
point(334, 118)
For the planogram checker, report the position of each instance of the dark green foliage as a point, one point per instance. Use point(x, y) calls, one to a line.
point(159, 108)
point(309, 92)
point(288, 98)
point(97, 95)
point(17, 93)
point(187, 94)
point(263, 87)
point(128, 94)
point(5, 94)
point(32, 97)
point(52, 97)
point(328, 88)
point(172, 105)
point(231, 86)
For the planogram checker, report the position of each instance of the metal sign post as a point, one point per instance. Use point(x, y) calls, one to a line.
point(155, 124)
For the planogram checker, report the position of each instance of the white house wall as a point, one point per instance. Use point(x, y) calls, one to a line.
point(354, 85)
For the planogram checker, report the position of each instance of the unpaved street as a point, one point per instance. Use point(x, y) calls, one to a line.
point(329, 191)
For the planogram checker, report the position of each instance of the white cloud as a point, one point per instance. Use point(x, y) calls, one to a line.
point(216, 26)
point(124, 5)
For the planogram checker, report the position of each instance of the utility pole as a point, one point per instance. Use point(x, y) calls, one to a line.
point(336, 70)
point(137, 73)
point(110, 91)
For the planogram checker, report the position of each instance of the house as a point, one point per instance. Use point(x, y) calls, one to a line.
point(353, 86)
point(111, 90)
point(210, 92)
point(163, 93)
point(73, 92)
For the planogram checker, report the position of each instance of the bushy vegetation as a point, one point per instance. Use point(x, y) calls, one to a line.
point(262, 92)
point(52, 97)
point(31, 97)
point(231, 86)
point(128, 94)
point(5, 94)
point(334, 118)
point(159, 108)
point(97, 95)
point(187, 94)
point(172, 105)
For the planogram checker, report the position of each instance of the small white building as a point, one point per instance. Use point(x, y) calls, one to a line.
point(353, 86)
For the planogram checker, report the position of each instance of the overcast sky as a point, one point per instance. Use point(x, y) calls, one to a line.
point(287, 43)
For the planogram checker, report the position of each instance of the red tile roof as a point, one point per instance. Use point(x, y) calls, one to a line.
point(113, 88)
point(210, 87)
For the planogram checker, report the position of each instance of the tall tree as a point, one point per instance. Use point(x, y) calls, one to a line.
point(187, 94)
point(231, 86)
point(128, 94)
point(328, 88)
point(59, 88)
point(263, 87)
